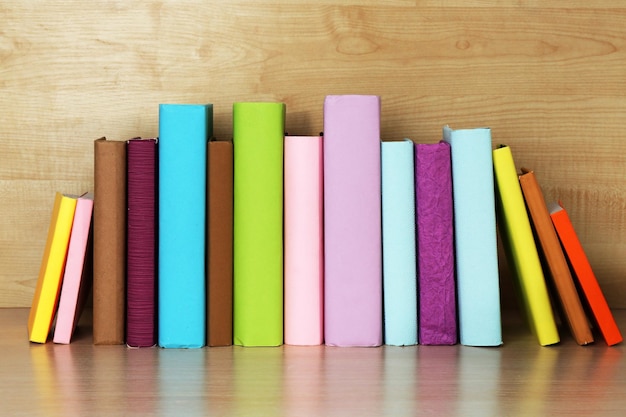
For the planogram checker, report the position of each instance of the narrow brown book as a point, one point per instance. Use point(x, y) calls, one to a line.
point(220, 244)
point(109, 242)
point(557, 267)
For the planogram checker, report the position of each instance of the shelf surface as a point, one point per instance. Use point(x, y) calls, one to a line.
point(518, 378)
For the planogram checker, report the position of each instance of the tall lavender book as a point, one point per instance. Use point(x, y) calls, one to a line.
point(352, 216)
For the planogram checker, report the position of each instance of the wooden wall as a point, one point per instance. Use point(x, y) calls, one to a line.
point(549, 78)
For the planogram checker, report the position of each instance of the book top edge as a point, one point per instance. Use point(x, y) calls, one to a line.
point(466, 129)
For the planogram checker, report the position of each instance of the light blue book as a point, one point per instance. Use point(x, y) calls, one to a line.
point(399, 261)
point(184, 131)
point(478, 286)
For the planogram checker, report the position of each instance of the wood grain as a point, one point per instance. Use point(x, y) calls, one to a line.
point(548, 77)
point(518, 378)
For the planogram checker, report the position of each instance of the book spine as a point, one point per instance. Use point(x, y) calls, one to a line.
point(220, 244)
point(435, 245)
point(46, 296)
point(258, 134)
point(109, 222)
point(184, 130)
point(521, 250)
point(583, 273)
point(75, 285)
point(555, 264)
point(304, 266)
point(141, 241)
point(352, 221)
point(398, 243)
point(476, 253)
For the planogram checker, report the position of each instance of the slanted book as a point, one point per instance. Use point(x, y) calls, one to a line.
point(556, 264)
point(184, 131)
point(399, 248)
point(78, 272)
point(520, 248)
point(352, 221)
point(109, 242)
point(46, 297)
point(591, 292)
point(476, 250)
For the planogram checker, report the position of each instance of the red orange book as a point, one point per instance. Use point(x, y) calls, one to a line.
point(590, 288)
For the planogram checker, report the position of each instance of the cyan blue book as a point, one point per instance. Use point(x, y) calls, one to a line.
point(184, 131)
point(399, 257)
point(478, 285)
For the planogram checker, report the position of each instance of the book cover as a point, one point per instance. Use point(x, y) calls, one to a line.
point(435, 244)
point(592, 294)
point(258, 135)
point(220, 244)
point(520, 248)
point(556, 264)
point(352, 221)
point(398, 243)
point(49, 281)
point(77, 277)
point(109, 242)
point(184, 131)
point(304, 247)
point(476, 249)
point(141, 243)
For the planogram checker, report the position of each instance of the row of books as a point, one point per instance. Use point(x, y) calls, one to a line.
point(339, 239)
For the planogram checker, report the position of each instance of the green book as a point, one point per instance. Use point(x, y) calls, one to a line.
point(258, 134)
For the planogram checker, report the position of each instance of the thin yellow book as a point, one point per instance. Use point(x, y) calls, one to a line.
point(521, 250)
point(48, 287)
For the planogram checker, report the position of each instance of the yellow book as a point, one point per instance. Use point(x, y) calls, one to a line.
point(48, 287)
point(521, 250)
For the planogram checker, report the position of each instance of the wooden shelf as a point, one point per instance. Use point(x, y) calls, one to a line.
point(518, 378)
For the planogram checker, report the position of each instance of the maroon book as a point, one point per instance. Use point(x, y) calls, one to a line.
point(141, 243)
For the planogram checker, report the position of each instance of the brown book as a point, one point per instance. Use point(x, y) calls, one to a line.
point(109, 242)
point(220, 244)
point(556, 264)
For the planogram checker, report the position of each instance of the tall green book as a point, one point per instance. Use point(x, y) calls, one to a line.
point(258, 135)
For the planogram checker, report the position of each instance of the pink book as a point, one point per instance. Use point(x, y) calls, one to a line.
point(304, 246)
point(77, 276)
point(352, 221)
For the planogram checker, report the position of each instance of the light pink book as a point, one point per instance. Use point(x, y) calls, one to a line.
point(304, 245)
point(76, 280)
point(352, 221)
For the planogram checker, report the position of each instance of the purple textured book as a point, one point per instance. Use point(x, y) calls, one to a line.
point(352, 221)
point(141, 256)
point(435, 244)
